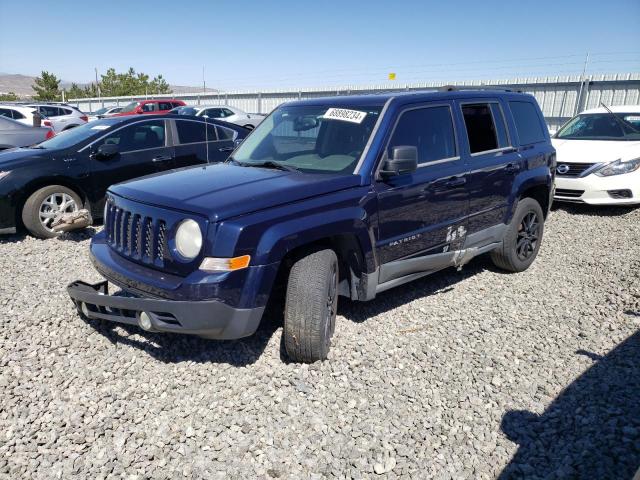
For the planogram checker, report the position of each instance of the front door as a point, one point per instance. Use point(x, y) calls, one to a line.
point(422, 215)
point(142, 150)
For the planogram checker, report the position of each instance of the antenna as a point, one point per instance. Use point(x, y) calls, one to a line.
point(206, 135)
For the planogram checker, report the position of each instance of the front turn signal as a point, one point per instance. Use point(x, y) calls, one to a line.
point(210, 264)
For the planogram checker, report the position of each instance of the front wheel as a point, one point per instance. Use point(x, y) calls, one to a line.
point(310, 306)
point(522, 241)
point(44, 206)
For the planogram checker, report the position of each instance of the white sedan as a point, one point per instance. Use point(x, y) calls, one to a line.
point(221, 112)
point(598, 155)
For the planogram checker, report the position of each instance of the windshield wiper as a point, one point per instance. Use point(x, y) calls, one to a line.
point(621, 121)
point(273, 165)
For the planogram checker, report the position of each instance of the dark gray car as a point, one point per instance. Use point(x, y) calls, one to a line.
point(16, 134)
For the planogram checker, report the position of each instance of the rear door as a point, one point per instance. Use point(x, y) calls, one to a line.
point(493, 164)
point(422, 215)
point(143, 149)
point(190, 143)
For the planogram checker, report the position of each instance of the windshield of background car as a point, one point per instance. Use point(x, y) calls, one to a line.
point(184, 111)
point(70, 137)
point(602, 126)
point(130, 108)
point(311, 138)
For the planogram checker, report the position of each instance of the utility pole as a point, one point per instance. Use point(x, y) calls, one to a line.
point(204, 84)
point(97, 84)
point(582, 81)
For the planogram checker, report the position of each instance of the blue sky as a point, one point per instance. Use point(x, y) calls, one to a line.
point(278, 44)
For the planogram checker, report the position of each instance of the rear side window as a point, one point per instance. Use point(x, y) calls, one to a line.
point(225, 133)
point(194, 132)
point(430, 130)
point(528, 124)
point(165, 106)
point(149, 107)
point(5, 112)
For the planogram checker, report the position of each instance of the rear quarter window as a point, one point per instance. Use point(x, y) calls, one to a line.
point(528, 122)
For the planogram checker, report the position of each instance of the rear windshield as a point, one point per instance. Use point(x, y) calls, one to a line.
point(131, 107)
point(602, 126)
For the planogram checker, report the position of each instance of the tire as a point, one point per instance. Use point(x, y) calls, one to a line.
point(310, 306)
point(522, 241)
point(36, 203)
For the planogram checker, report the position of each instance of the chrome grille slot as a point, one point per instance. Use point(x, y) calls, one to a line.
point(161, 243)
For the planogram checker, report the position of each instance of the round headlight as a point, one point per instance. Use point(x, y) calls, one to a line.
point(188, 239)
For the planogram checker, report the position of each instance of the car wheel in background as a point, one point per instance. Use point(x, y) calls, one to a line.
point(521, 244)
point(310, 306)
point(47, 204)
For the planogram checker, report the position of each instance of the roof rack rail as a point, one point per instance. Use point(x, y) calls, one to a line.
point(456, 88)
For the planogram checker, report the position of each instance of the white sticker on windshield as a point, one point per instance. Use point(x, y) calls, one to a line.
point(353, 116)
point(99, 127)
point(632, 118)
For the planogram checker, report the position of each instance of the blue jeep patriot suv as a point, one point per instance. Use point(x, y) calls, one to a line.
point(344, 196)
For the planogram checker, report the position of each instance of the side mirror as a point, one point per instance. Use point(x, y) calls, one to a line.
point(106, 150)
point(237, 142)
point(404, 159)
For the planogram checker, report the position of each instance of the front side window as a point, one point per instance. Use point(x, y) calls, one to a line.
point(602, 126)
point(214, 113)
point(528, 123)
point(162, 106)
point(430, 130)
point(139, 136)
point(226, 133)
point(149, 107)
point(310, 138)
point(226, 112)
point(194, 132)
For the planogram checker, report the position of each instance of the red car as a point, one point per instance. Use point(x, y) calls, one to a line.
point(152, 107)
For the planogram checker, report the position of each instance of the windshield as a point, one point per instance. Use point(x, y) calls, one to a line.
point(130, 108)
point(602, 126)
point(310, 138)
point(184, 111)
point(75, 135)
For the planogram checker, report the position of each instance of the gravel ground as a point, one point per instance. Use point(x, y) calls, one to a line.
point(471, 374)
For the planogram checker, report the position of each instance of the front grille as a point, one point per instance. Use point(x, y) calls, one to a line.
point(572, 169)
point(141, 238)
point(565, 192)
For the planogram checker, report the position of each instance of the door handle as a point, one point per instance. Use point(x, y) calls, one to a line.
point(226, 149)
point(161, 158)
point(512, 168)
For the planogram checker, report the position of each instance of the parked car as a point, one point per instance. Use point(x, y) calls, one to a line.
point(599, 157)
point(104, 112)
point(15, 134)
point(74, 170)
point(62, 117)
point(26, 115)
point(221, 112)
point(346, 196)
point(149, 107)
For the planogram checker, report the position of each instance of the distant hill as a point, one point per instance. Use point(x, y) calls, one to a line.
point(21, 85)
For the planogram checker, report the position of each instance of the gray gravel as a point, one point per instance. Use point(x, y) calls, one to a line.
point(471, 374)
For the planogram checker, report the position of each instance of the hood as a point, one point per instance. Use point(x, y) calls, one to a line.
point(594, 151)
point(17, 157)
point(223, 190)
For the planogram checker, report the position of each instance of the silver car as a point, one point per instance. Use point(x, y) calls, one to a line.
point(16, 134)
point(221, 112)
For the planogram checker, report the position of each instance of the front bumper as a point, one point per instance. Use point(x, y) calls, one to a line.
point(207, 318)
point(594, 190)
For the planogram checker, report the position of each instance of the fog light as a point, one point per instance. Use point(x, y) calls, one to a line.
point(84, 309)
point(145, 321)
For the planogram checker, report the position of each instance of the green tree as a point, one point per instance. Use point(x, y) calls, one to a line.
point(159, 85)
point(8, 97)
point(115, 84)
point(75, 91)
point(47, 87)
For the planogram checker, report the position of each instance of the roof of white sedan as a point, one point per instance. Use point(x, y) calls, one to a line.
point(615, 109)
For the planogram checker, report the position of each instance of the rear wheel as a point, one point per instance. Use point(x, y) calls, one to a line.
point(522, 241)
point(310, 306)
point(44, 206)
